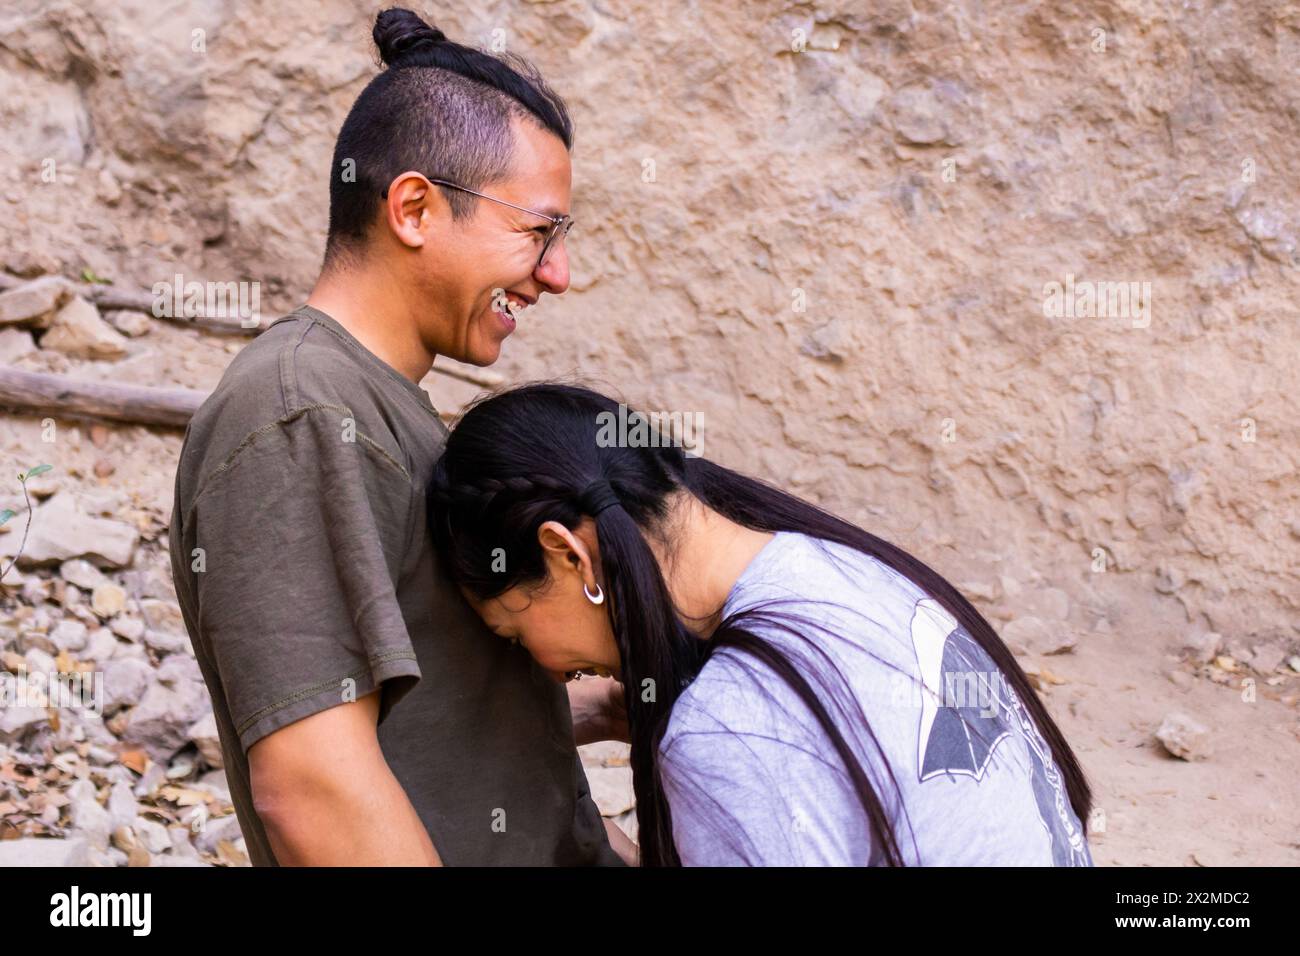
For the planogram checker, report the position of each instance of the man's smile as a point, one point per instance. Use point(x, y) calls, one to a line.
point(509, 306)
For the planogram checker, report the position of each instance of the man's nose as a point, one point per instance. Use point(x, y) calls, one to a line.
point(554, 275)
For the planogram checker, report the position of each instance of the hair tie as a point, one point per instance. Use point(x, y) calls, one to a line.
point(597, 496)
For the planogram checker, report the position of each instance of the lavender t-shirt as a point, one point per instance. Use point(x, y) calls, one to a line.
point(752, 779)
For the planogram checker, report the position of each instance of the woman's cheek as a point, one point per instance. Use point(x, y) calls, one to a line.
point(546, 650)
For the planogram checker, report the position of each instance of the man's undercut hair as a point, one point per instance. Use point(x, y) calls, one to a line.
point(439, 108)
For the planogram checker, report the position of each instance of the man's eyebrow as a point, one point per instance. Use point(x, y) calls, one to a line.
point(549, 211)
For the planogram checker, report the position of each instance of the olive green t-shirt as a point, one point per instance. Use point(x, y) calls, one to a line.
point(306, 575)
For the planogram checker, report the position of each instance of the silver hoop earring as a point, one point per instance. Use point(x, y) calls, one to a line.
point(598, 597)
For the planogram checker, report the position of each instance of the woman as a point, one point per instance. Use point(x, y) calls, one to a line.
point(798, 691)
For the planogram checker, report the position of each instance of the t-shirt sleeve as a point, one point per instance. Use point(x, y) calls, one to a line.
point(302, 535)
point(739, 798)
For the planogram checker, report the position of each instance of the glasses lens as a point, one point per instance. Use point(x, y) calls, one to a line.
point(554, 240)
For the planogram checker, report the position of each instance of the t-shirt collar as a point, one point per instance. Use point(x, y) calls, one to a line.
point(335, 326)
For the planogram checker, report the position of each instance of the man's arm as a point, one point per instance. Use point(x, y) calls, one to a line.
point(303, 534)
point(622, 844)
point(326, 796)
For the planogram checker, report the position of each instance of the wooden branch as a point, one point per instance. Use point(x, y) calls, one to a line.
point(106, 297)
point(75, 398)
point(46, 394)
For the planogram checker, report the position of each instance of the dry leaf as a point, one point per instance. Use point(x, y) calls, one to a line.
point(229, 854)
point(135, 760)
point(165, 814)
point(185, 797)
point(138, 856)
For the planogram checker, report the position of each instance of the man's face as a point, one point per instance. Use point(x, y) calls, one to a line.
point(471, 268)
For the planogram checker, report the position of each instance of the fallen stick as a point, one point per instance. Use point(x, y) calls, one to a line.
point(44, 393)
point(77, 398)
point(106, 297)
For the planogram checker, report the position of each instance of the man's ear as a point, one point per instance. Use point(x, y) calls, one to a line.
point(406, 207)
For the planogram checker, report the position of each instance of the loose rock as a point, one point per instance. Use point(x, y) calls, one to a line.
point(108, 600)
point(128, 322)
point(61, 531)
point(82, 573)
point(1204, 647)
point(14, 344)
point(44, 852)
point(204, 735)
point(1184, 737)
point(69, 635)
point(35, 303)
point(159, 724)
point(78, 332)
point(87, 815)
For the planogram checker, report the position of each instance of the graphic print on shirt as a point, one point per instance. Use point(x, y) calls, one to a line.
point(958, 734)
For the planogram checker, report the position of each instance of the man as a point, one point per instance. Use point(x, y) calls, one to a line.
point(366, 716)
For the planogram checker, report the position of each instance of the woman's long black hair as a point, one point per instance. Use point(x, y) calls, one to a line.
point(525, 456)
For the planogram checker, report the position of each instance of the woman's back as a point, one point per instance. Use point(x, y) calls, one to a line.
point(751, 777)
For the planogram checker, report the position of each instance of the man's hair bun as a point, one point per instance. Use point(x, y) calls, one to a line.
point(398, 31)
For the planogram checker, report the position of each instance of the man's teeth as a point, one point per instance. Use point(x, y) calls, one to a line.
point(512, 307)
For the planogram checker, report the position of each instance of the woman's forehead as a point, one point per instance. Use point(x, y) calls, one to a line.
point(507, 603)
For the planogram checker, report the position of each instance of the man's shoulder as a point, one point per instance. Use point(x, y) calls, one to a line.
point(294, 371)
point(296, 362)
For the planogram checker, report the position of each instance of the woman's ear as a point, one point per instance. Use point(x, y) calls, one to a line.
point(562, 549)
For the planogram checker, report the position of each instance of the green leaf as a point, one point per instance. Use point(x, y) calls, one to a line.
point(39, 470)
point(6, 515)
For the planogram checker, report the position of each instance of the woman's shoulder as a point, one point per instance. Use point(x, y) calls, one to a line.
point(802, 587)
point(827, 607)
point(804, 568)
